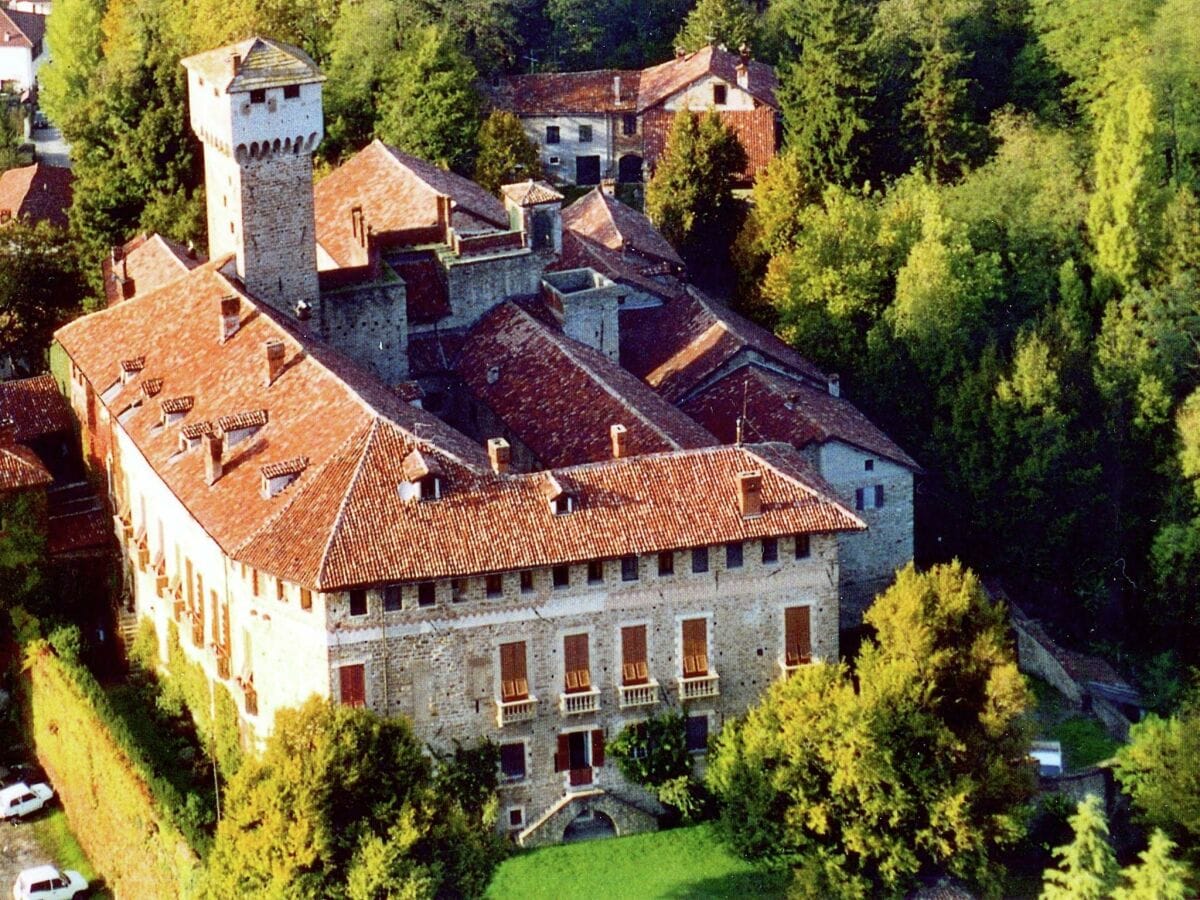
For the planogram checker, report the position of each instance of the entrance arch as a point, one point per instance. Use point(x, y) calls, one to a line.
point(589, 825)
point(629, 168)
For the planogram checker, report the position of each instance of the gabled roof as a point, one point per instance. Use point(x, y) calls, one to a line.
point(398, 193)
point(20, 468)
point(677, 346)
point(149, 262)
point(263, 63)
point(609, 222)
point(38, 193)
point(35, 407)
point(560, 397)
point(13, 35)
point(778, 408)
point(556, 93)
point(530, 193)
point(662, 81)
point(582, 253)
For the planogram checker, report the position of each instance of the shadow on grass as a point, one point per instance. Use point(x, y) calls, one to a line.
point(763, 885)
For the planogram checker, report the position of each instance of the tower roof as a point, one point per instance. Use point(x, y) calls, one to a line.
point(261, 63)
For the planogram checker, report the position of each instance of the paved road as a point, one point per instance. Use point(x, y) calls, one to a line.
point(51, 148)
point(18, 850)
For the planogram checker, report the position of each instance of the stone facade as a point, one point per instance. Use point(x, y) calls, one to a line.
point(369, 322)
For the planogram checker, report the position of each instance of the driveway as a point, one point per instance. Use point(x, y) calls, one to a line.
point(51, 148)
point(19, 850)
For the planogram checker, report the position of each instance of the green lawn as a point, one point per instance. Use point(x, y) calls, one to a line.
point(683, 862)
point(55, 837)
point(1084, 740)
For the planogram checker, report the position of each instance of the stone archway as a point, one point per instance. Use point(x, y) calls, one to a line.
point(629, 168)
point(589, 825)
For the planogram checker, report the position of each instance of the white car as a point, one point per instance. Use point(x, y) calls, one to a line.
point(21, 799)
point(47, 883)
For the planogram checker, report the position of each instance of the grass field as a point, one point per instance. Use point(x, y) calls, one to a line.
point(681, 863)
point(55, 837)
point(1084, 740)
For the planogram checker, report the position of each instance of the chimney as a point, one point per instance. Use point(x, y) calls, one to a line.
point(743, 76)
point(616, 89)
point(750, 494)
point(835, 385)
point(619, 433)
point(213, 447)
point(608, 186)
point(275, 354)
point(500, 453)
point(231, 308)
point(443, 211)
point(680, 53)
point(235, 63)
point(356, 225)
point(744, 53)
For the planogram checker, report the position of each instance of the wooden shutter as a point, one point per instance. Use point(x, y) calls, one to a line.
point(562, 759)
point(797, 635)
point(514, 683)
point(353, 685)
point(695, 647)
point(634, 668)
point(597, 747)
point(575, 655)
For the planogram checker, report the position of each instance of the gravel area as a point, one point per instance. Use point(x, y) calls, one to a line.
point(19, 850)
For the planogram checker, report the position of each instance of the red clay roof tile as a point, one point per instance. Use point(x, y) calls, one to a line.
point(36, 408)
point(40, 193)
point(612, 224)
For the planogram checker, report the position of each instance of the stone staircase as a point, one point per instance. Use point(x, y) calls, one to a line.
point(127, 626)
point(627, 816)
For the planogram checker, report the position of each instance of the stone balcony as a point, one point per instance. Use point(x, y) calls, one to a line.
point(634, 695)
point(697, 687)
point(509, 712)
point(577, 703)
point(787, 669)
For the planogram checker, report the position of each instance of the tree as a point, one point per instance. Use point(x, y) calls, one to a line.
point(430, 108)
point(922, 767)
point(67, 79)
point(22, 548)
point(729, 23)
point(506, 155)
point(1088, 867)
point(690, 196)
point(343, 803)
point(1159, 877)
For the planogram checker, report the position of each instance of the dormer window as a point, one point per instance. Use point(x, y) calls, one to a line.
point(190, 435)
point(277, 476)
point(175, 408)
point(422, 478)
point(241, 426)
point(561, 501)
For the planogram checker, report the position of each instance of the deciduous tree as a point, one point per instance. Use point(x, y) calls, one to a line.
point(506, 155)
point(729, 23)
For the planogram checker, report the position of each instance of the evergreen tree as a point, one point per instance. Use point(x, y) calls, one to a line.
point(506, 155)
point(728, 23)
point(1088, 866)
point(68, 78)
point(1159, 876)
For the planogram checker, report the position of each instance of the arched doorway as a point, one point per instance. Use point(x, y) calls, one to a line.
point(589, 825)
point(629, 168)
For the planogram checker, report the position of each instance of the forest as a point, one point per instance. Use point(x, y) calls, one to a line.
point(984, 217)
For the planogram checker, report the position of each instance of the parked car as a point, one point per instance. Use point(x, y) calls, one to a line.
point(21, 799)
point(47, 883)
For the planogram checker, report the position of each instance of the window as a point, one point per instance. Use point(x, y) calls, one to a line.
point(426, 593)
point(494, 585)
point(392, 598)
point(868, 465)
point(358, 603)
point(629, 568)
point(878, 496)
point(666, 563)
point(353, 685)
point(696, 729)
point(516, 816)
point(279, 591)
point(291, 91)
point(719, 94)
point(695, 648)
point(431, 487)
point(526, 581)
point(700, 559)
point(552, 134)
point(305, 598)
point(802, 547)
point(562, 504)
point(733, 555)
point(635, 667)
point(797, 639)
point(253, 580)
point(512, 761)
point(575, 663)
point(514, 683)
point(770, 550)
point(858, 499)
point(585, 134)
point(556, 160)
point(561, 576)
point(595, 571)
point(458, 590)
point(258, 96)
point(628, 124)
point(577, 752)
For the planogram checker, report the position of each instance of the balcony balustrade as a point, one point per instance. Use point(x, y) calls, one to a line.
point(509, 712)
point(577, 703)
point(697, 687)
point(633, 695)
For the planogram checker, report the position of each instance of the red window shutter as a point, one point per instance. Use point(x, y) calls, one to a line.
point(562, 759)
point(695, 647)
point(597, 747)
point(797, 635)
point(633, 655)
point(353, 685)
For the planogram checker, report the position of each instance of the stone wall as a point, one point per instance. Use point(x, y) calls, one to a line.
point(369, 323)
point(477, 283)
point(569, 147)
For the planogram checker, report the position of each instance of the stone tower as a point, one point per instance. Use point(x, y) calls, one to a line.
point(256, 106)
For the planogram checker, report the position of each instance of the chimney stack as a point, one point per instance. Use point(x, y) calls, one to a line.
point(835, 385)
point(750, 494)
point(235, 63)
point(500, 453)
point(608, 186)
point(744, 53)
point(213, 448)
point(616, 89)
point(275, 353)
point(231, 308)
point(619, 433)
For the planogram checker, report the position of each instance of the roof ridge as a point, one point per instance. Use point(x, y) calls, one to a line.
point(817, 491)
point(323, 557)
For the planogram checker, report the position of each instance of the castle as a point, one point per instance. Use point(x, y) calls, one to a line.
point(492, 465)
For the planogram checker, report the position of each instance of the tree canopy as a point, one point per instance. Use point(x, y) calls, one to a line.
point(506, 155)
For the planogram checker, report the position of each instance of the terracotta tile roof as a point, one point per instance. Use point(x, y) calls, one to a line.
point(147, 263)
point(11, 33)
point(609, 222)
point(433, 352)
point(21, 469)
point(398, 195)
point(677, 346)
point(253, 419)
point(152, 387)
point(40, 193)
point(195, 430)
point(293, 466)
point(264, 63)
point(79, 533)
point(556, 93)
point(318, 401)
point(174, 405)
point(755, 130)
point(660, 82)
point(778, 408)
point(530, 193)
point(36, 408)
point(560, 397)
point(580, 252)
point(488, 523)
